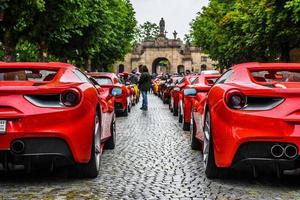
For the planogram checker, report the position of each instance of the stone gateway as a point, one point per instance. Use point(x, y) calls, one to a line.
point(164, 55)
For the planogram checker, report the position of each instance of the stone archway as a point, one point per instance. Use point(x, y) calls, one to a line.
point(121, 68)
point(161, 65)
point(180, 69)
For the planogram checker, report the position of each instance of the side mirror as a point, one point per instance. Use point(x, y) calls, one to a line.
point(210, 82)
point(176, 89)
point(190, 92)
point(116, 92)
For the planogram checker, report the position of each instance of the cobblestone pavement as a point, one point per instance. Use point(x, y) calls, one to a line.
point(153, 160)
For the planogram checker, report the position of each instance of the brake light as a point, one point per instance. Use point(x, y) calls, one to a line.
point(70, 98)
point(235, 99)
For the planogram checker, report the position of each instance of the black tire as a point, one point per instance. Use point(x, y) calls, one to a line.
point(111, 143)
point(165, 100)
point(195, 143)
point(186, 126)
point(125, 113)
point(170, 106)
point(175, 112)
point(129, 108)
point(91, 169)
point(210, 168)
point(179, 114)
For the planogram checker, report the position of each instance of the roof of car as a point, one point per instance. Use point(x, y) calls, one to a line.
point(257, 65)
point(50, 65)
point(101, 74)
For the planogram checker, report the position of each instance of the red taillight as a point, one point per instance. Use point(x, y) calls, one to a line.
point(235, 99)
point(70, 97)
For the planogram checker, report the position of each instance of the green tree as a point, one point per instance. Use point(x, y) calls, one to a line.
point(247, 30)
point(146, 31)
point(86, 32)
point(18, 16)
point(294, 7)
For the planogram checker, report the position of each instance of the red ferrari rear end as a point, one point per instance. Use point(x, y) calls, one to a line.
point(193, 94)
point(109, 80)
point(252, 116)
point(49, 115)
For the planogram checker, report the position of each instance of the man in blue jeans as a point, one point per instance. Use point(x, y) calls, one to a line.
point(144, 86)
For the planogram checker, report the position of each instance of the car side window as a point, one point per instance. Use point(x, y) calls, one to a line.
point(224, 77)
point(82, 76)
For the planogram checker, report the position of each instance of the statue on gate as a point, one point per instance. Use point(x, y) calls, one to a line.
point(162, 26)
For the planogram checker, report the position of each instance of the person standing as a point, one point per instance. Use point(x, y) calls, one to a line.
point(144, 86)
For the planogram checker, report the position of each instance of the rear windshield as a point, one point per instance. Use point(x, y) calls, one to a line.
point(275, 75)
point(180, 80)
point(39, 75)
point(104, 81)
point(193, 80)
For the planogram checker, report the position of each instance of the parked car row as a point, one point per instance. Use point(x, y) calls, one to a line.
point(248, 117)
point(54, 115)
point(128, 94)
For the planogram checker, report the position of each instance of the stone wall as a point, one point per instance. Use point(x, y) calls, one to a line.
point(172, 50)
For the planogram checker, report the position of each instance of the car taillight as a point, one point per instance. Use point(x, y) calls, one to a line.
point(177, 89)
point(235, 99)
point(70, 98)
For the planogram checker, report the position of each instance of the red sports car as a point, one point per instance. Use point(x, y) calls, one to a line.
point(110, 80)
point(52, 114)
point(167, 88)
point(176, 92)
point(192, 95)
point(252, 116)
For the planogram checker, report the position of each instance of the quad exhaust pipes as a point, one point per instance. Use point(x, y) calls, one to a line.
point(278, 151)
point(291, 151)
point(17, 146)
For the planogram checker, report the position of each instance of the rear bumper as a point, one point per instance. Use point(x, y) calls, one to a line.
point(175, 97)
point(232, 130)
point(259, 154)
point(37, 152)
point(187, 109)
point(121, 104)
point(74, 126)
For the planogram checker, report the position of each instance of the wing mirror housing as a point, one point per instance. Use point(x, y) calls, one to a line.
point(190, 92)
point(116, 91)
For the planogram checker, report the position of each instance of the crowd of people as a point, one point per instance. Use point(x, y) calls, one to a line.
point(144, 81)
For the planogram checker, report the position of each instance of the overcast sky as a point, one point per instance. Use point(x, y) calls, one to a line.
point(177, 13)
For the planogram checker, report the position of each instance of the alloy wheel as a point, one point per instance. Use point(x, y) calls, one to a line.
point(97, 143)
point(206, 146)
point(114, 129)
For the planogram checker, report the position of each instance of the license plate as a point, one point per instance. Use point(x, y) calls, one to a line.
point(2, 126)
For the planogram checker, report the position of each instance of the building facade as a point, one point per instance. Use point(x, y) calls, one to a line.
point(164, 55)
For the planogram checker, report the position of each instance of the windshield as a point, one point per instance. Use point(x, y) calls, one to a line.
point(104, 81)
point(193, 80)
point(27, 75)
point(275, 75)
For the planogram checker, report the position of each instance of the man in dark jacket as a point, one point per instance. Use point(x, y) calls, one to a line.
point(144, 86)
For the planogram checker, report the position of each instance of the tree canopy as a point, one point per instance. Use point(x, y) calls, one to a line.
point(146, 31)
point(86, 32)
point(235, 31)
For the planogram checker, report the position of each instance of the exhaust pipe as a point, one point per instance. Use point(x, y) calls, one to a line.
point(277, 151)
point(290, 151)
point(17, 146)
